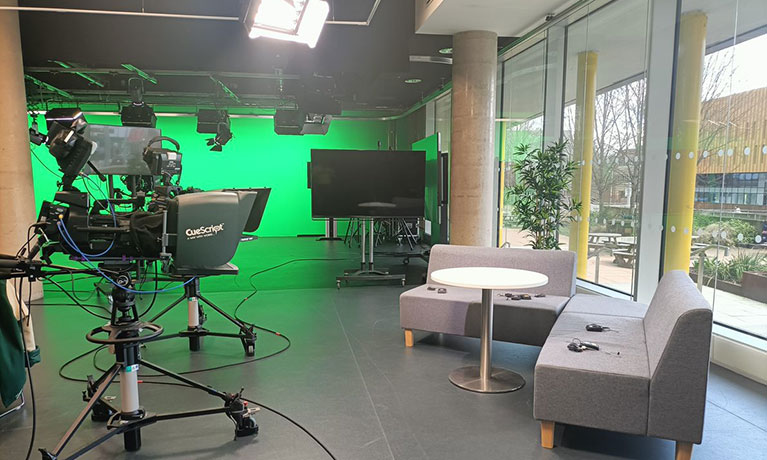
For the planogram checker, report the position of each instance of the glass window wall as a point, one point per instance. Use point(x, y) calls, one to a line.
point(728, 248)
point(523, 78)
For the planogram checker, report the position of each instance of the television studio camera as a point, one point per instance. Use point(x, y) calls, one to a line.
point(190, 233)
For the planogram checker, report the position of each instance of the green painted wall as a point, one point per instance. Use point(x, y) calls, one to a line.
point(255, 157)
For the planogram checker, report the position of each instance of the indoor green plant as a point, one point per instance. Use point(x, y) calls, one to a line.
point(540, 203)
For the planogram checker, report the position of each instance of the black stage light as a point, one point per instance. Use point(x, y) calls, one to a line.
point(223, 135)
point(137, 113)
point(208, 120)
point(296, 122)
point(288, 121)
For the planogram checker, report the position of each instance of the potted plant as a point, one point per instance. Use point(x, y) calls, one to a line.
point(540, 203)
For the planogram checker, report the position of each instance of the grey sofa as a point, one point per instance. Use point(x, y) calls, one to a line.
point(457, 311)
point(648, 378)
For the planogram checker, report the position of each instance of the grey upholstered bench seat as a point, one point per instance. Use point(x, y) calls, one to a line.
point(458, 312)
point(656, 386)
point(603, 305)
point(594, 388)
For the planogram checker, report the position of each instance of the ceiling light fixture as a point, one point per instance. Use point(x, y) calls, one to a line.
point(412, 81)
point(299, 21)
point(446, 51)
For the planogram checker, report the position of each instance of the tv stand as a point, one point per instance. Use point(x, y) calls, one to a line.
point(367, 270)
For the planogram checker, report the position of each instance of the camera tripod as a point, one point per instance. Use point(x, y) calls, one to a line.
point(196, 318)
point(126, 334)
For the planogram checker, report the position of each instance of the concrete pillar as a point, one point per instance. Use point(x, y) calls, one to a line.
point(472, 157)
point(583, 152)
point(17, 194)
point(683, 158)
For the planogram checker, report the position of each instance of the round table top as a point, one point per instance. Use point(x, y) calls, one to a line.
point(489, 278)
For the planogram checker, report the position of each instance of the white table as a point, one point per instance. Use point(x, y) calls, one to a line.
point(484, 378)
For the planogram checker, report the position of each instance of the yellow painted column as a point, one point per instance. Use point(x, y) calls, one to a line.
point(502, 183)
point(684, 143)
point(583, 152)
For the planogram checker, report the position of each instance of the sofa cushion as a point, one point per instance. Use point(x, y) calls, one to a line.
point(458, 311)
point(678, 328)
point(425, 310)
point(622, 328)
point(602, 305)
point(520, 321)
point(559, 266)
point(606, 389)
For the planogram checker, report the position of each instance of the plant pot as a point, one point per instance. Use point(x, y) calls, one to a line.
point(725, 286)
point(754, 286)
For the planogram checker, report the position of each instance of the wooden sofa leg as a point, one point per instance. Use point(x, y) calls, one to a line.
point(408, 338)
point(547, 434)
point(683, 450)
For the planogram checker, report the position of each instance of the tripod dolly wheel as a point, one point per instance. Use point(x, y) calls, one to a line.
point(246, 427)
point(194, 343)
point(132, 440)
point(250, 347)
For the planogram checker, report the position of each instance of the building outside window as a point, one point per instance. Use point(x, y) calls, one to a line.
point(729, 225)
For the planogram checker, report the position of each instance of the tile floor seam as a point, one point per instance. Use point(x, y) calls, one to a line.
point(364, 383)
point(737, 416)
point(372, 362)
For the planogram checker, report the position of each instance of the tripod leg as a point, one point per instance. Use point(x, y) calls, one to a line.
point(181, 378)
point(226, 315)
point(102, 388)
point(248, 337)
point(102, 410)
point(234, 406)
point(167, 309)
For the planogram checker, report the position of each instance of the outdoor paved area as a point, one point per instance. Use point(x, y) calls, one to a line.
point(729, 309)
point(736, 311)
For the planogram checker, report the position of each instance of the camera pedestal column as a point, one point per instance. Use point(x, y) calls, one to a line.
point(193, 323)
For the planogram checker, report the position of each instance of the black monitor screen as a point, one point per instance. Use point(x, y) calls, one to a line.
point(367, 183)
point(119, 149)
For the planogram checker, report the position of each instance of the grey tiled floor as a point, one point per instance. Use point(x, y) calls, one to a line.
point(349, 380)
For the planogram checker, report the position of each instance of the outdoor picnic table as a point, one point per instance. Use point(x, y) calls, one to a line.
point(606, 238)
point(599, 242)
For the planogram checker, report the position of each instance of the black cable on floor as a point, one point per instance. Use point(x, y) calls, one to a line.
point(236, 310)
point(73, 360)
point(77, 302)
point(296, 424)
point(62, 304)
point(214, 368)
point(270, 409)
point(294, 261)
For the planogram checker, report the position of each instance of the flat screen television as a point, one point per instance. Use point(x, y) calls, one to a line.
point(367, 183)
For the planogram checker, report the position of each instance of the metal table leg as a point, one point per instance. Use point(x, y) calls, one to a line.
point(485, 378)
